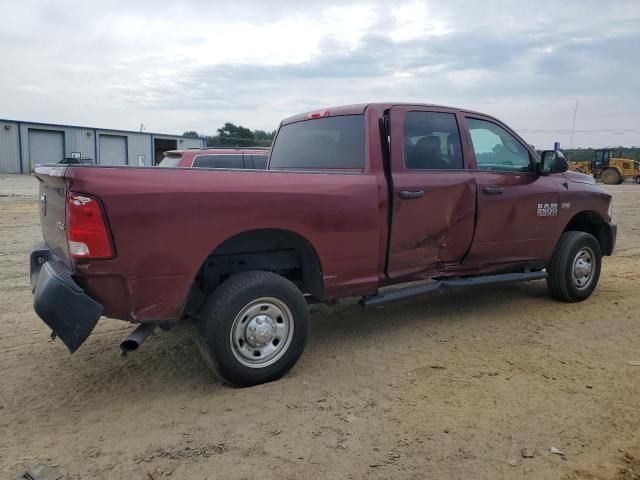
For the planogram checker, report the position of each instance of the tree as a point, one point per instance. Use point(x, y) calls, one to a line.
point(235, 135)
point(264, 138)
point(231, 135)
point(191, 133)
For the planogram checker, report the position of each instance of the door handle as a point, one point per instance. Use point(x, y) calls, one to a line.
point(493, 190)
point(411, 194)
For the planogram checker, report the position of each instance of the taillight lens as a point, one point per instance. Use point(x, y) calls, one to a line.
point(87, 232)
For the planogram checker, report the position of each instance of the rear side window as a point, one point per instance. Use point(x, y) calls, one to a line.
point(260, 161)
point(432, 141)
point(321, 144)
point(218, 161)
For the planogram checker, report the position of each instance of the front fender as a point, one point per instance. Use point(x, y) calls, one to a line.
point(607, 237)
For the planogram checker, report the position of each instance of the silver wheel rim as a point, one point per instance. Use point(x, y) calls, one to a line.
point(583, 267)
point(261, 333)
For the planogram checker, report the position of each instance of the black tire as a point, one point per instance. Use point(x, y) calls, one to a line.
point(566, 269)
point(610, 177)
point(220, 320)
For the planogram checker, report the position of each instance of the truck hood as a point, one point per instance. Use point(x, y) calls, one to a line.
point(579, 178)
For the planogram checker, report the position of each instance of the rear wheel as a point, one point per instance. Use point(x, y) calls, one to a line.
point(611, 177)
point(574, 269)
point(253, 328)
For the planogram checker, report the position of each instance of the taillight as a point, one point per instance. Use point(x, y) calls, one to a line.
point(87, 232)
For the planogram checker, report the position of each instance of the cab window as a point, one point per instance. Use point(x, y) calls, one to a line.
point(331, 143)
point(496, 149)
point(432, 141)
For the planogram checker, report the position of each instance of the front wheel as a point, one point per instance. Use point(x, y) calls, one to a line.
point(253, 328)
point(611, 177)
point(574, 269)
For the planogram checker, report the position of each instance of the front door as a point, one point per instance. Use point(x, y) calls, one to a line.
point(434, 193)
point(517, 207)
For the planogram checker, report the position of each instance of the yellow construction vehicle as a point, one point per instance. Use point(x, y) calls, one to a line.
point(608, 167)
point(581, 167)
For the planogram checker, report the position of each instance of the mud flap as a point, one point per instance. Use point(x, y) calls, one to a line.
point(64, 306)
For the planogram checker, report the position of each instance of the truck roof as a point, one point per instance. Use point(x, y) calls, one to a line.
point(359, 109)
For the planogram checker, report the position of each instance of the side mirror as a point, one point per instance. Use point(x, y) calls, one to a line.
point(553, 161)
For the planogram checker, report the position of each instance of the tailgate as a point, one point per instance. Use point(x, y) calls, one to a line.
point(52, 197)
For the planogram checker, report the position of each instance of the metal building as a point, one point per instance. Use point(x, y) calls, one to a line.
point(23, 145)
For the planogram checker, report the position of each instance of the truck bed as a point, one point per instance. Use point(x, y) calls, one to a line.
point(165, 223)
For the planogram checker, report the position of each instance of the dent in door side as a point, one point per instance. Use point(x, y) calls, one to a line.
point(437, 229)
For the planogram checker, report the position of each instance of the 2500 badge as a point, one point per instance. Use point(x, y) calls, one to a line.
point(547, 209)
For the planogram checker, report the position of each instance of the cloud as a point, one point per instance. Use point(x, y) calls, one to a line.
point(197, 64)
point(414, 20)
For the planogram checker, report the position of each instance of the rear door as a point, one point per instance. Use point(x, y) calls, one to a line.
point(517, 207)
point(434, 193)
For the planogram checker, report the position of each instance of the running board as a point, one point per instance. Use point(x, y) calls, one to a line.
point(452, 283)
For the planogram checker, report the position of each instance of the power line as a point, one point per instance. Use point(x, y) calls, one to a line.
point(573, 127)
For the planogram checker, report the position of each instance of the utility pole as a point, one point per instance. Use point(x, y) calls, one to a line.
point(573, 127)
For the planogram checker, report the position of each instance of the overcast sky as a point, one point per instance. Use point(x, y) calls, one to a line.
point(196, 64)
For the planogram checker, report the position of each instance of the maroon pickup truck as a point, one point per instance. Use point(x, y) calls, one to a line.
point(354, 198)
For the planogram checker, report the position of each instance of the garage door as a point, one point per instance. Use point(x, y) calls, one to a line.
point(45, 146)
point(113, 150)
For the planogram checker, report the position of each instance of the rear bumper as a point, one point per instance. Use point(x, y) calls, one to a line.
point(59, 301)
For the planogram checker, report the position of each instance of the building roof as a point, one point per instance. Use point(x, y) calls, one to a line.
point(62, 125)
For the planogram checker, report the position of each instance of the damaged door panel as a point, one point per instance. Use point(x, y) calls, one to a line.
point(434, 195)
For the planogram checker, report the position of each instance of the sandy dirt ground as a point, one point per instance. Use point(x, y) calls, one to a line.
point(448, 386)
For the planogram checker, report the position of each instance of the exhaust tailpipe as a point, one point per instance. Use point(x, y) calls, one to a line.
point(137, 337)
